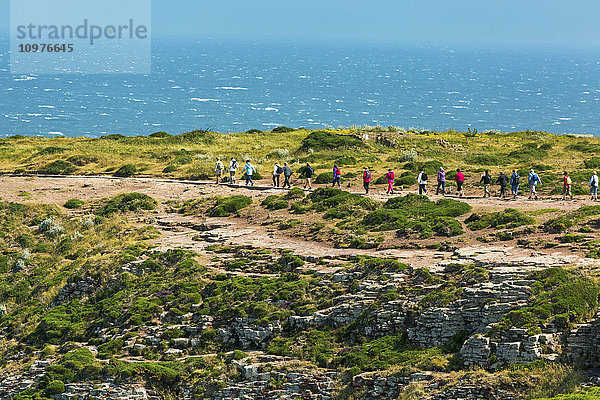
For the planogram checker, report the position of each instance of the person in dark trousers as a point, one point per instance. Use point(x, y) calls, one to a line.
point(441, 182)
point(567, 183)
point(594, 186)
point(337, 175)
point(422, 181)
point(277, 171)
point(486, 179)
point(249, 170)
point(459, 178)
point(308, 173)
point(515, 180)
point(287, 174)
point(367, 179)
point(503, 182)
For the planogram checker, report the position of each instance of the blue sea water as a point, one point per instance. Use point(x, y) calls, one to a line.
point(233, 85)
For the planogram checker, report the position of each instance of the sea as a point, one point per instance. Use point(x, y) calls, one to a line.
point(232, 85)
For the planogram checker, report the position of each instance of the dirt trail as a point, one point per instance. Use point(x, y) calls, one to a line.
point(180, 231)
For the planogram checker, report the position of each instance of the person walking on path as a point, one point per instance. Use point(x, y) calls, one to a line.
point(249, 170)
point(287, 174)
point(367, 179)
point(567, 184)
point(503, 182)
point(594, 186)
point(515, 180)
point(486, 179)
point(337, 175)
point(233, 166)
point(441, 182)
point(533, 180)
point(277, 171)
point(308, 173)
point(219, 167)
point(422, 181)
point(389, 177)
point(459, 178)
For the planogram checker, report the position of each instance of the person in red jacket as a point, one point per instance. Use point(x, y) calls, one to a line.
point(390, 180)
point(366, 179)
point(459, 178)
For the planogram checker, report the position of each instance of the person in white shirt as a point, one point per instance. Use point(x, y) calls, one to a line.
point(233, 166)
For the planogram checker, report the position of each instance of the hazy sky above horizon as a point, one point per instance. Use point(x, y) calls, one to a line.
point(507, 22)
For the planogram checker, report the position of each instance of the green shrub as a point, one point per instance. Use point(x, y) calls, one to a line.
point(159, 135)
point(54, 387)
point(294, 193)
point(323, 140)
point(127, 202)
point(57, 168)
point(338, 203)
point(81, 160)
point(255, 175)
point(407, 180)
point(254, 131)
point(584, 147)
point(346, 160)
point(509, 218)
point(74, 203)
point(529, 151)
point(169, 168)
point(228, 205)
point(283, 129)
point(126, 171)
point(592, 163)
point(570, 219)
point(324, 177)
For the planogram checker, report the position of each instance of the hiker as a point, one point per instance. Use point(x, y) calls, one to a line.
point(287, 174)
point(367, 179)
point(441, 182)
point(486, 179)
point(219, 167)
point(277, 171)
point(567, 184)
point(249, 170)
point(594, 186)
point(389, 177)
point(233, 166)
point(308, 173)
point(515, 180)
point(337, 174)
point(503, 182)
point(422, 181)
point(533, 179)
point(459, 178)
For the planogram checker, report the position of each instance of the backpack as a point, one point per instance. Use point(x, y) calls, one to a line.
point(487, 179)
point(279, 170)
point(367, 175)
point(424, 177)
point(569, 181)
point(309, 171)
point(517, 179)
point(235, 165)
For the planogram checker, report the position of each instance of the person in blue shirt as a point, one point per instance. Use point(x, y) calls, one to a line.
point(533, 179)
point(249, 170)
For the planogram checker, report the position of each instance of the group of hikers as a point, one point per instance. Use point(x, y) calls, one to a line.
point(533, 180)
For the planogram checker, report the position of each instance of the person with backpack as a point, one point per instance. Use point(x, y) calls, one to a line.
point(459, 178)
point(515, 180)
point(389, 177)
point(308, 173)
point(486, 179)
point(594, 186)
point(422, 181)
point(367, 179)
point(337, 175)
point(503, 182)
point(233, 166)
point(249, 170)
point(277, 171)
point(567, 184)
point(533, 180)
point(287, 174)
point(219, 167)
point(441, 182)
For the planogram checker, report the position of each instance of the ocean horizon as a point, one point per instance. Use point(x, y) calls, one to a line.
point(232, 85)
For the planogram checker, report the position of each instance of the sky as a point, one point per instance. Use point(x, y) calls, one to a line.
point(574, 23)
